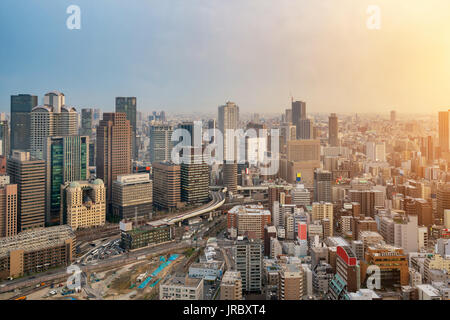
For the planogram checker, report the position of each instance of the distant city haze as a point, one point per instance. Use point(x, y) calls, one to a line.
point(184, 56)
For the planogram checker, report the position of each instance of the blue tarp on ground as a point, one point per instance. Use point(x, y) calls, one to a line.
point(144, 284)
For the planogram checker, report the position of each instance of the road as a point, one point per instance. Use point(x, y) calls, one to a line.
point(218, 199)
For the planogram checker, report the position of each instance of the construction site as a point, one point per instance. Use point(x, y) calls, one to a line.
point(139, 280)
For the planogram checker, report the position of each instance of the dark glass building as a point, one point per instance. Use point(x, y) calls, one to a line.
point(21, 106)
point(66, 160)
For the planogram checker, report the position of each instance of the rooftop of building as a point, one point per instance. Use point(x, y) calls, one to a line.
point(185, 281)
point(231, 276)
point(254, 209)
point(429, 290)
point(130, 179)
point(37, 239)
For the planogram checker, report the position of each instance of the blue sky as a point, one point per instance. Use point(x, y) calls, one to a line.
point(192, 55)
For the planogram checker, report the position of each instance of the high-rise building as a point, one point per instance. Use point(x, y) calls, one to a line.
point(249, 220)
point(194, 177)
point(29, 175)
point(324, 211)
point(113, 149)
point(300, 195)
point(231, 286)
point(305, 131)
point(303, 157)
point(304, 150)
point(230, 177)
point(288, 116)
point(4, 138)
point(66, 160)
point(322, 186)
point(443, 202)
point(8, 207)
point(87, 122)
point(367, 200)
point(84, 204)
point(376, 151)
point(21, 106)
point(228, 119)
point(54, 118)
point(195, 132)
point(166, 185)
point(444, 131)
point(347, 267)
point(161, 145)
point(298, 113)
point(392, 263)
point(290, 283)
point(127, 105)
point(333, 130)
point(132, 196)
point(249, 262)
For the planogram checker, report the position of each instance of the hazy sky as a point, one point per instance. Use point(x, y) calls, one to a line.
point(184, 55)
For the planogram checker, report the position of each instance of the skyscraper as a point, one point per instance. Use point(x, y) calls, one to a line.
point(298, 113)
point(443, 202)
point(132, 196)
point(166, 185)
point(376, 151)
point(4, 137)
point(21, 106)
point(444, 131)
point(113, 149)
point(67, 159)
point(195, 178)
point(161, 145)
point(249, 262)
point(195, 131)
point(228, 120)
point(322, 211)
point(87, 122)
point(333, 130)
point(54, 118)
point(29, 175)
point(322, 185)
point(230, 177)
point(127, 105)
point(305, 130)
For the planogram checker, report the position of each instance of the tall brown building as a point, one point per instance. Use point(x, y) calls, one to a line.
point(113, 149)
point(393, 264)
point(443, 202)
point(423, 209)
point(8, 208)
point(230, 177)
point(166, 185)
point(363, 224)
point(29, 175)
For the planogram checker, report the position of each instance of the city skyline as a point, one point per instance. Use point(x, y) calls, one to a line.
point(209, 151)
point(181, 57)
